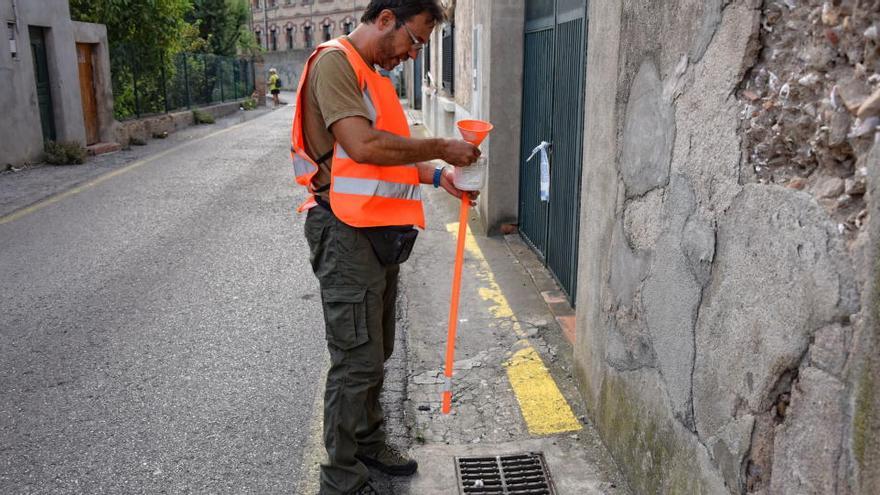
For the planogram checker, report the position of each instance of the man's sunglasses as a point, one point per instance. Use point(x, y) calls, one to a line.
point(416, 44)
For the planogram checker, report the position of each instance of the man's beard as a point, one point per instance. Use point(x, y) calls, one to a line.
point(386, 49)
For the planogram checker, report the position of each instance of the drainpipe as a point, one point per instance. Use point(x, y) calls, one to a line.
point(15, 18)
point(266, 21)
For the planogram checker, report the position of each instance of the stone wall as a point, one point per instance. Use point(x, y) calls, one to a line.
point(146, 128)
point(726, 340)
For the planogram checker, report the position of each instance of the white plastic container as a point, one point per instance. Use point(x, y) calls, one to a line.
point(470, 178)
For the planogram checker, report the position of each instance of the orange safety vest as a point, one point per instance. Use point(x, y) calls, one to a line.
point(362, 195)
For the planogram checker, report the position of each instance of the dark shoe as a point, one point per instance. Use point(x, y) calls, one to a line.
point(367, 489)
point(390, 461)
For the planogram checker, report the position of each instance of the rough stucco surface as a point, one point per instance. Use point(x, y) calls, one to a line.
point(776, 279)
point(647, 135)
point(807, 448)
point(728, 331)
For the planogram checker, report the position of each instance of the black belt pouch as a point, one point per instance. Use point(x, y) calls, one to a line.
point(392, 245)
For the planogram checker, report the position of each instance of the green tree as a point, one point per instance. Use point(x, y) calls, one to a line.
point(223, 25)
point(144, 35)
point(150, 74)
point(156, 26)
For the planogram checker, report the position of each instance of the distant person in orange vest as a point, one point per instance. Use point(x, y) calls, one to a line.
point(351, 147)
point(275, 86)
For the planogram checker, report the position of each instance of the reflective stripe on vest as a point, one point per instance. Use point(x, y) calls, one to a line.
point(341, 153)
point(375, 187)
point(371, 109)
point(363, 194)
point(302, 167)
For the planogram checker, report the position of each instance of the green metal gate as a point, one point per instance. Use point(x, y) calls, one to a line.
point(553, 111)
point(41, 75)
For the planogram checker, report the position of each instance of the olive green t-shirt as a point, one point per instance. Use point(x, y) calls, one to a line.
point(331, 93)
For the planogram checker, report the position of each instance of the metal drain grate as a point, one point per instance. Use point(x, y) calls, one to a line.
point(525, 474)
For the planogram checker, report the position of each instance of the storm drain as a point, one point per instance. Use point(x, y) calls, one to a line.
point(525, 473)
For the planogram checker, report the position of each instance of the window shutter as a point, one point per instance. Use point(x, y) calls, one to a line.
point(449, 58)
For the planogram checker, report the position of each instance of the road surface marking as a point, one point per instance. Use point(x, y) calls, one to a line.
point(543, 406)
point(313, 451)
point(39, 205)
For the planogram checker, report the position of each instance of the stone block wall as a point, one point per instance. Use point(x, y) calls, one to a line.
point(146, 128)
point(727, 327)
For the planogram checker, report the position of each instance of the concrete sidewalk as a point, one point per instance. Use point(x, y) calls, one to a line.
point(502, 315)
point(512, 386)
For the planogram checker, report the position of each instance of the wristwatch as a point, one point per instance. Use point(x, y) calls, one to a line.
point(438, 173)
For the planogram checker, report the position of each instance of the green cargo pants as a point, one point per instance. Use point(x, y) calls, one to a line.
point(358, 296)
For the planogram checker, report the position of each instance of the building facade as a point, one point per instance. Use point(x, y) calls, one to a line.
point(55, 75)
point(286, 25)
point(712, 214)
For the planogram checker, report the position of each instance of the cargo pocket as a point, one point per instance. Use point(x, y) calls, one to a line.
point(345, 315)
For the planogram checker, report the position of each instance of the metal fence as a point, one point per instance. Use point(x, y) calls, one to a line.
point(142, 86)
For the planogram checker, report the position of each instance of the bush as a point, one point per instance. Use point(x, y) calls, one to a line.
point(249, 103)
point(65, 153)
point(202, 117)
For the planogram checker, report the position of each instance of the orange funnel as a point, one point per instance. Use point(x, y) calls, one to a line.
point(474, 131)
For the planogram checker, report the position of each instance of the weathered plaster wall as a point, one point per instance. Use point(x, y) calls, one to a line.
point(21, 136)
point(497, 96)
point(723, 336)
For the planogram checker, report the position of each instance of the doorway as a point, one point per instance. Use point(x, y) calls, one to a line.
point(553, 111)
point(41, 75)
point(85, 54)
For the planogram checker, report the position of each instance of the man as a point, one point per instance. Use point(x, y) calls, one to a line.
point(351, 148)
point(274, 86)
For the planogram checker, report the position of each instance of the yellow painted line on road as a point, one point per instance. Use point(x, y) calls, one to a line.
point(51, 200)
point(313, 453)
point(544, 408)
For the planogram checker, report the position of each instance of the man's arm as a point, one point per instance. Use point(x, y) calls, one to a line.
point(365, 144)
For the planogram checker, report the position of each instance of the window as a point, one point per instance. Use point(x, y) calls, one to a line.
point(307, 36)
point(13, 49)
point(274, 40)
point(426, 54)
point(326, 32)
point(289, 38)
point(449, 59)
point(346, 28)
point(259, 37)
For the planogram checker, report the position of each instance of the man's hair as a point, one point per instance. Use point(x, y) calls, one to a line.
point(404, 10)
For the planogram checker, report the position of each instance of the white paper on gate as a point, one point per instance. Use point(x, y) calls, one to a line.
point(545, 169)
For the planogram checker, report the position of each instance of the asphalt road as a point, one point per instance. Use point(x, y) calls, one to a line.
point(161, 332)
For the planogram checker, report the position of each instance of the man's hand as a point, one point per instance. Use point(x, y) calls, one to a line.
point(446, 183)
point(459, 153)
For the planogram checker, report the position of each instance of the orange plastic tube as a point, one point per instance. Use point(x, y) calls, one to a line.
point(453, 306)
